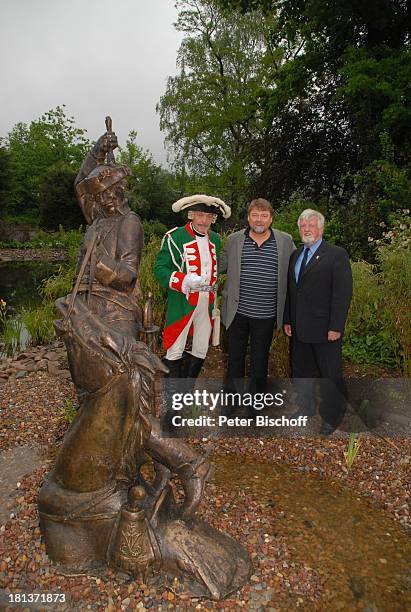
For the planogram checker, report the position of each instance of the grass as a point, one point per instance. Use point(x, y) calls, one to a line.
point(38, 322)
point(354, 443)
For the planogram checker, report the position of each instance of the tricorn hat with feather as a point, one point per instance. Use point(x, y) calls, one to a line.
point(202, 203)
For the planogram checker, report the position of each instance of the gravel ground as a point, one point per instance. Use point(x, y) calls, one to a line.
point(282, 580)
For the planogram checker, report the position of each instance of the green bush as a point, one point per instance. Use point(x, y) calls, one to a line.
point(378, 330)
point(10, 244)
point(36, 321)
point(394, 259)
point(57, 201)
point(148, 281)
point(153, 228)
point(286, 217)
point(368, 336)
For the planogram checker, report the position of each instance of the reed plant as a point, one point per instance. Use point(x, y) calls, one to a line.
point(38, 322)
point(11, 334)
point(59, 284)
point(354, 443)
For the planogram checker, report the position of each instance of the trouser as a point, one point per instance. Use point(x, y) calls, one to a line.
point(318, 373)
point(259, 332)
point(200, 320)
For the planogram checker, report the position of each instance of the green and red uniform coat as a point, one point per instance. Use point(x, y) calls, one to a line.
point(179, 255)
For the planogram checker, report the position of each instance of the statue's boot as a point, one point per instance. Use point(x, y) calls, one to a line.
point(161, 477)
point(194, 476)
point(192, 468)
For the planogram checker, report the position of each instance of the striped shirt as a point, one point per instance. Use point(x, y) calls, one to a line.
point(258, 278)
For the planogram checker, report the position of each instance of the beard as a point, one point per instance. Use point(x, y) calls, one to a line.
point(258, 229)
point(308, 240)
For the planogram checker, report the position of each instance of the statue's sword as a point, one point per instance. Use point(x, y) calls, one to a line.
point(110, 155)
point(80, 274)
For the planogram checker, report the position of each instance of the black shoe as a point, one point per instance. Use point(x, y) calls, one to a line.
point(194, 366)
point(185, 363)
point(174, 366)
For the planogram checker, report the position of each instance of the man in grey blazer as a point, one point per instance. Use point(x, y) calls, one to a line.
point(256, 260)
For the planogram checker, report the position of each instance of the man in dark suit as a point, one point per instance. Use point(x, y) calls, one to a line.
point(318, 298)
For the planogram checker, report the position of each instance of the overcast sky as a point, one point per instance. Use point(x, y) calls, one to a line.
point(98, 57)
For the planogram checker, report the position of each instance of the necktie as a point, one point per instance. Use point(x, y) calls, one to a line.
point(303, 263)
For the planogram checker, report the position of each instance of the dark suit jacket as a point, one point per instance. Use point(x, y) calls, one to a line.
point(321, 300)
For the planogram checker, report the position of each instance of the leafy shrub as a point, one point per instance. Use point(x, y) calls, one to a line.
point(394, 259)
point(153, 228)
point(367, 339)
point(378, 329)
point(285, 219)
point(69, 411)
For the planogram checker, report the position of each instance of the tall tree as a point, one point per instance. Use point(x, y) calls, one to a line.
point(6, 177)
point(151, 189)
point(35, 148)
point(336, 108)
point(210, 110)
point(58, 203)
point(347, 83)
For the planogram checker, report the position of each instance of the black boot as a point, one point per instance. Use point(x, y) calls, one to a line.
point(174, 366)
point(185, 363)
point(194, 366)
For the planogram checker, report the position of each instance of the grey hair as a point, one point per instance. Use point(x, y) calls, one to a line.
point(190, 214)
point(309, 212)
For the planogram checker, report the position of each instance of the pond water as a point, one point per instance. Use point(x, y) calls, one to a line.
point(360, 554)
point(20, 282)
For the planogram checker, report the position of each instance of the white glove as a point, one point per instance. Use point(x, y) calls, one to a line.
point(192, 281)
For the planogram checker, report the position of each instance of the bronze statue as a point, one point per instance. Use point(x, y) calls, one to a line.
point(95, 506)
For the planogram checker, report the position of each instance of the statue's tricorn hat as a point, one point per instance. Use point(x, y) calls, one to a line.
point(203, 203)
point(101, 178)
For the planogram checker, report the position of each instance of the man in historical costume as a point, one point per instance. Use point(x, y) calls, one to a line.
point(318, 300)
point(187, 267)
point(256, 260)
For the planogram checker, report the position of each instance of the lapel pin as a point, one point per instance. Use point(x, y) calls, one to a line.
point(318, 257)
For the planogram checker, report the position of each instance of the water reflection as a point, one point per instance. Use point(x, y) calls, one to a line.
point(360, 553)
point(19, 287)
point(20, 281)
